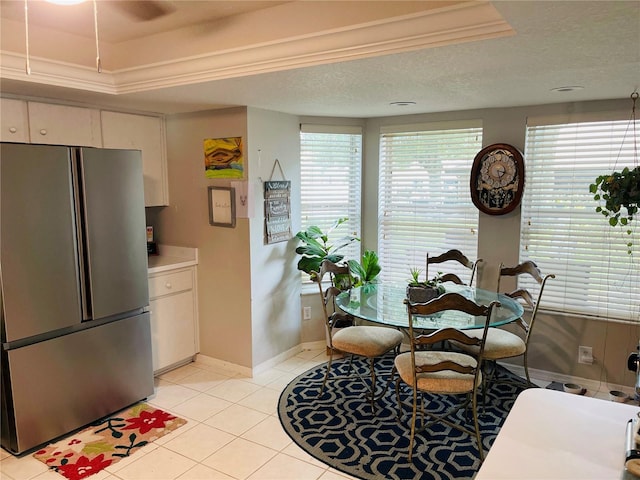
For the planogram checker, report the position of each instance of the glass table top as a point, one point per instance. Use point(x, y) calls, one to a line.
point(384, 303)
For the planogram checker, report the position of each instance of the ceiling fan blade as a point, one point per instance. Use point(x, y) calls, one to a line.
point(146, 10)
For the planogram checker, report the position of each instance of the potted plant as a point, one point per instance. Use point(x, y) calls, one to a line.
point(367, 270)
point(619, 197)
point(422, 292)
point(316, 247)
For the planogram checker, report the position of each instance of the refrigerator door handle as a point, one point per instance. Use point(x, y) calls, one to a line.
point(83, 275)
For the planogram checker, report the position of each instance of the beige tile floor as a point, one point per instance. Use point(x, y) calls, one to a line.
point(233, 431)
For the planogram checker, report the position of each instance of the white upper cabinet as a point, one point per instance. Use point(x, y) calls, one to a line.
point(145, 133)
point(64, 125)
point(24, 121)
point(14, 121)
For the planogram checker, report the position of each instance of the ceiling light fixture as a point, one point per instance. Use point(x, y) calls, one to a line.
point(402, 104)
point(568, 88)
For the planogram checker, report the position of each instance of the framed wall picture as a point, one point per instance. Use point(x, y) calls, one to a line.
point(223, 158)
point(222, 206)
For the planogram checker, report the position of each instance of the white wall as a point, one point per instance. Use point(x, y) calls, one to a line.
point(275, 286)
point(249, 294)
point(224, 269)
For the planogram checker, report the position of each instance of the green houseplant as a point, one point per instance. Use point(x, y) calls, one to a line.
point(618, 195)
point(316, 246)
point(367, 270)
point(423, 291)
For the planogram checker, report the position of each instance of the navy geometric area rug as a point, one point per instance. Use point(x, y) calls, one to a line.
point(339, 429)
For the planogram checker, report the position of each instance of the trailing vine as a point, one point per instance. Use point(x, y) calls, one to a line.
point(618, 193)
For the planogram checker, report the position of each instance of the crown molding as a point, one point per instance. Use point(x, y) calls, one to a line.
point(55, 73)
point(465, 22)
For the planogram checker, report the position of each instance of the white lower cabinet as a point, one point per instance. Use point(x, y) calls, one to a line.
point(174, 329)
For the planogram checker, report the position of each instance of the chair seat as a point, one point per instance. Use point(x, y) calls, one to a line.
point(499, 344)
point(367, 341)
point(446, 381)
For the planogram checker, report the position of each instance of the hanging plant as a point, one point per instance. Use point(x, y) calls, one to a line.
point(619, 192)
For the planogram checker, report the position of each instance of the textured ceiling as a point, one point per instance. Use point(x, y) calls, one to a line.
point(594, 44)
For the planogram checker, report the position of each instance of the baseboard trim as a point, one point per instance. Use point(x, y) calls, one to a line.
point(249, 371)
point(592, 386)
point(223, 366)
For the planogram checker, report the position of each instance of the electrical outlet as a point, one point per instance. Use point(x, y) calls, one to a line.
point(585, 355)
point(306, 313)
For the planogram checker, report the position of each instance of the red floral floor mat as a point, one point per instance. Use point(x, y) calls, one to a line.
point(95, 448)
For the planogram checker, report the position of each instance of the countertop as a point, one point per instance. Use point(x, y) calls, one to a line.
point(171, 257)
point(551, 435)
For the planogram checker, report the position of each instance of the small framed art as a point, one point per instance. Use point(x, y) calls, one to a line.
point(222, 206)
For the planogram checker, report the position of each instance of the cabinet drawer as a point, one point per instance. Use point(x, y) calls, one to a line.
point(170, 283)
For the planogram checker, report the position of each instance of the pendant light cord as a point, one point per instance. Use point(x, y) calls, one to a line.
point(634, 97)
point(95, 22)
point(26, 36)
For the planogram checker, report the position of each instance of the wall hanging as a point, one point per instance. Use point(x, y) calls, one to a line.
point(223, 158)
point(277, 208)
point(222, 206)
point(497, 179)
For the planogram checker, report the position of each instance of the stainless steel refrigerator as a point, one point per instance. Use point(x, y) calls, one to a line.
point(76, 340)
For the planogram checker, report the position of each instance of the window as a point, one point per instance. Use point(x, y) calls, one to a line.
point(561, 230)
point(330, 181)
point(424, 201)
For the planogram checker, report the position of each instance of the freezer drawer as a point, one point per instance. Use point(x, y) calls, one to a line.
point(59, 385)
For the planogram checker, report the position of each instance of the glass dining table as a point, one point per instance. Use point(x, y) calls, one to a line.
point(384, 303)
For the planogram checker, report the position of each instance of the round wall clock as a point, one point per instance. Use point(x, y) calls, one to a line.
point(497, 179)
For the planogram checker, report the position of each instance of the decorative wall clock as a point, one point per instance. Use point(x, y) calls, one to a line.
point(497, 179)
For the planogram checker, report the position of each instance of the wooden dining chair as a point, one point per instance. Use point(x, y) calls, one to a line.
point(367, 342)
point(502, 344)
point(435, 372)
point(457, 256)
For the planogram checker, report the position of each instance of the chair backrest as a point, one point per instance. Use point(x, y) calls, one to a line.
point(329, 274)
point(453, 255)
point(448, 301)
point(522, 294)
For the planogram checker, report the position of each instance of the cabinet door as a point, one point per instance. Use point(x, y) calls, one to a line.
point(173, 335)
point(64, 125)
point(145, 133)
point(14, 124)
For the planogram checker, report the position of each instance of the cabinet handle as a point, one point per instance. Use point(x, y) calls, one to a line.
point(167, 285)
point(43, 132)
point(13, 129)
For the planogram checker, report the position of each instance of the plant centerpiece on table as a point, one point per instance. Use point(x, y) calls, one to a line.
point(367, 270)
point(422, 292)
point(315, 247)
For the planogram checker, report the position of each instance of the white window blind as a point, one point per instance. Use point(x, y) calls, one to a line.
point(331, 181)
point(562, 232)
point(424, 200)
